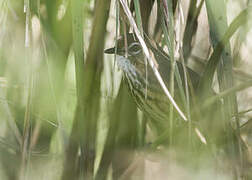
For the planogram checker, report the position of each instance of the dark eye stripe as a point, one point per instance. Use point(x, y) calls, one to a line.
point(134, 48)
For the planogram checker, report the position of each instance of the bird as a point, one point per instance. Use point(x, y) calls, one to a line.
point(143, 85)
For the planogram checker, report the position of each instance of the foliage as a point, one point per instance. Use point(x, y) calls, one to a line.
point(66, 111)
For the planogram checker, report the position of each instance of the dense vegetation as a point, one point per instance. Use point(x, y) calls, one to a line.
point(66, 111)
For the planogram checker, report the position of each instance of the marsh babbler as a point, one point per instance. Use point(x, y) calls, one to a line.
point(143, 85)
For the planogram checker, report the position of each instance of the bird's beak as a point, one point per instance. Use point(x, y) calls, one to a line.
point(110, 51)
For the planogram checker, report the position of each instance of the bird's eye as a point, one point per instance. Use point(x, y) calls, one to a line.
point(135, 48)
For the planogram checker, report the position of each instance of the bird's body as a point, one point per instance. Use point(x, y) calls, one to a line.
point(144, 86)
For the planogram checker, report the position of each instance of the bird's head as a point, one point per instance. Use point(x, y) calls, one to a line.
point(130, 48)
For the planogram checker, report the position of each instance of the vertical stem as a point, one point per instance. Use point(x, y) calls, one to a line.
point(78, 124)
point(27, 117)
point(168, 23)
point(88, 78)
point(142, 123)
